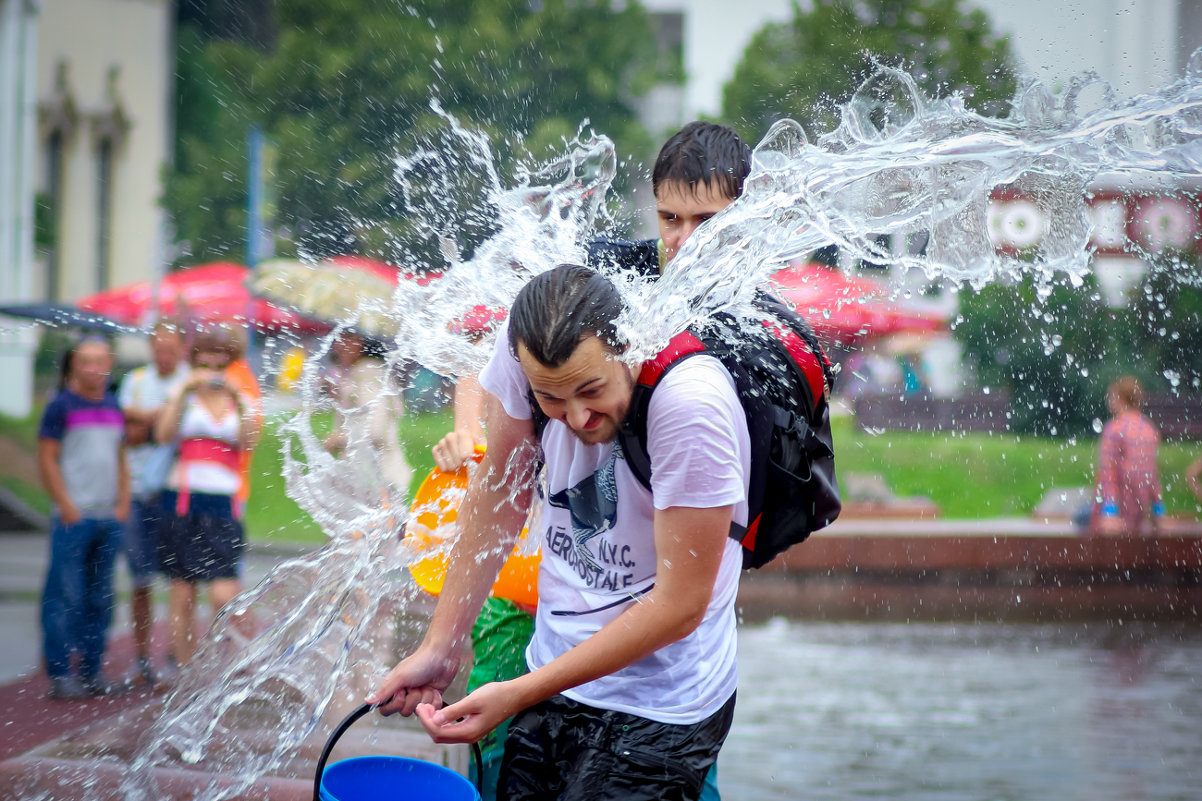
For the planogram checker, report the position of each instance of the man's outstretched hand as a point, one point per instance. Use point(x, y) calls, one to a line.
point(469, 720)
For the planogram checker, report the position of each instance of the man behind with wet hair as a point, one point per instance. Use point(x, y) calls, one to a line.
point(631, 683)
point(700, 171)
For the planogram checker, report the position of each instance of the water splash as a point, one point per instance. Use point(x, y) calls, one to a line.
point(539, 223)
point(283, 650)
point(899, 163)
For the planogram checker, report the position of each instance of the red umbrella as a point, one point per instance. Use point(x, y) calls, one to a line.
point(847, 309)
point(214, 292)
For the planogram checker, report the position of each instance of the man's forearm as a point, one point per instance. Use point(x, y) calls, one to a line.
point(469, 407)
point(124, 486)
point(144, 417)
point(640, 631)
point(489, 521)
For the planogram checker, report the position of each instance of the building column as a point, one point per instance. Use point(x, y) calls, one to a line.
point(18, 45)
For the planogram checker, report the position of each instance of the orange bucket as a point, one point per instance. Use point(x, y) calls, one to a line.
point(436, 505)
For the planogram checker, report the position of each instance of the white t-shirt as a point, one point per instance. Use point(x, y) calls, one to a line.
point(597, 539)
point(144, 389)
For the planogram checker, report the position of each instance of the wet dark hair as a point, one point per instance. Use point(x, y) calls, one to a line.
point(64, 366)
point(375, 348)
point(559, 308)
point(703, 153)
point(371, 347)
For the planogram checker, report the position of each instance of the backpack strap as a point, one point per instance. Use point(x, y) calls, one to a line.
point(632, 436)
point(804, 356)
point(803, 347)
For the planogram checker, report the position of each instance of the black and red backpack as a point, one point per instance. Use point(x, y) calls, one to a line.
point(784, 380)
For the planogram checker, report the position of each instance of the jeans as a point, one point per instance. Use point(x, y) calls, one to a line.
point(77, 604)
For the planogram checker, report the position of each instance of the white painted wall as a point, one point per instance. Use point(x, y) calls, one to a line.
point(18, 40)
point(716, 32)
point(92, 37)
point(1133, 44)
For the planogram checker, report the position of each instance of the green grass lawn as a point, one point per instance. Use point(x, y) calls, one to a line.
point(23, 433)
point(966, 475)
point(981, 475)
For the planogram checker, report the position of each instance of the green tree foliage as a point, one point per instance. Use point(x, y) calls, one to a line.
point(1056, 353)
point(1053, 353)
point(205, 187)
point(1167, 311)
point(347, 85)
point(805, 67)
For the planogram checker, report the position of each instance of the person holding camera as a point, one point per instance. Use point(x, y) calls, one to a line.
point(211, 423)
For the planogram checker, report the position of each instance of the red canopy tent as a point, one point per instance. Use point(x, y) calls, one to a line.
point(848, 309)
point(214, 292)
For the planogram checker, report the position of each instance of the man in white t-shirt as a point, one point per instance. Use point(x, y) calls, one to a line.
point(632, 676)
point(142, 394)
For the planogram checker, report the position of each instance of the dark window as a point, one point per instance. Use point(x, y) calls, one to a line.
point(53, 212)
point(104, 213)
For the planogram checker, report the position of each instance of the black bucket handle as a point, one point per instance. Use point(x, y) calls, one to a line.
point(347, 722)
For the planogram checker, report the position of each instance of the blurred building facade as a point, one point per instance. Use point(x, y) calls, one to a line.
point(1135, 45)
point(86, 101)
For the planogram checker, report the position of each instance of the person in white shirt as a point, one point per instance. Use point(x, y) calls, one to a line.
point(632, 676)
point(142, 394)
point(368, 407)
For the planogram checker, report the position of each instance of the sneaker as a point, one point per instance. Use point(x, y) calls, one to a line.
point(169, 673)
point(98, 685)
point(140, 674)
point(67, 688)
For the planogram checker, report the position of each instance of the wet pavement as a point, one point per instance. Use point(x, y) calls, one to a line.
point(27, 716)
point(29, 720)
point(47, 745)
point(23, 569)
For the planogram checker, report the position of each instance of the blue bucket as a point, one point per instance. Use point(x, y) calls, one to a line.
point(386, 777)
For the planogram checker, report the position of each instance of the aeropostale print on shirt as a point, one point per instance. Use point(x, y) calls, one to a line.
point(598, 541)
point(583, 544)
